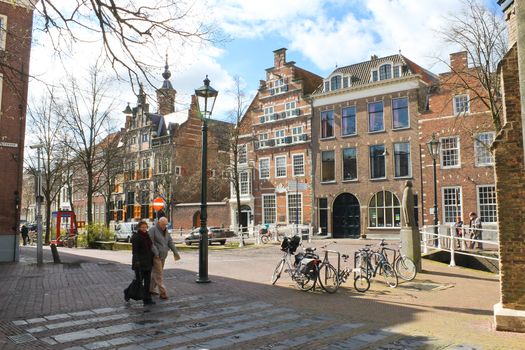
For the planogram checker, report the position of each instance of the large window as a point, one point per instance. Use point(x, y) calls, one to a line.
point(384, 210)
point(244, 183)
point(461, 104)
point(295, 208)
point(279, 137)
point(482, 149)
point(298, 164)
point(335, 83)
point(385, 72)
point(402, 159)
point(280, 166)
point(264, 168)
point(348, 126)
point(349, 163)
point(290, 109)
point(377, 162)
point(269, 208)
point(327, 124)
point(145, 168)
point(451, 204)
point(375, 117)
point(297, 134)
point(400, 113)
point(241, 153)
point(327, 166)
point(450, 152)
point(487, 203)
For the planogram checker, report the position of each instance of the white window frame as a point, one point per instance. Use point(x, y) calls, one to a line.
point(478, 204)
point(297, 131)
point(178, 170)
point(261, 160)
point(277, 167)
point(443, 216)
point(280, 136)
point(3, 31)
point(385, 207)
point(370, 163)
point(479, 147)
point(274, 208)
point(290, 217)
point(245, 154)
point(244, 185)
point(294, 166)
point(289, 108)
point(379, 71)
point(456, 112)
point(267, 113)
point(408, 112)
point(409, 160)
point(343, 165)
point(458, 148)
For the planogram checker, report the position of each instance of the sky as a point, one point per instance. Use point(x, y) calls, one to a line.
point(320, 35)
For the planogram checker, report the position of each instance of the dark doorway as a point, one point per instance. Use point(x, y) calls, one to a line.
point(346, 216)
point(244, 218)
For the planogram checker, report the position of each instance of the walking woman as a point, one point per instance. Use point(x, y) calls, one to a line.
point(142, 261)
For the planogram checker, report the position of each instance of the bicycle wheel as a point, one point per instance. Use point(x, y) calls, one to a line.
point(389, 274)
point(280, 237)
point(328, 278)
point(264, 239)
point(405, 268)
point(278, 270)
point(361, 282)
point(306, 280)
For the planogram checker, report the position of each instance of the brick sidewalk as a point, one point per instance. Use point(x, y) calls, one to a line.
point(79, 305)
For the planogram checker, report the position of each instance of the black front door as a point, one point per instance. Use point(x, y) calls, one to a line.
point(346, 216)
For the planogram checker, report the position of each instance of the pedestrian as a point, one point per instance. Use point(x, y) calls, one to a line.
point(24, 231)
point(475, 230)
point(458, 226)
point(162, 243)
point(142, 260)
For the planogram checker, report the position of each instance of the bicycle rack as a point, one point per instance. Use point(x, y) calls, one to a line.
point(326, 254)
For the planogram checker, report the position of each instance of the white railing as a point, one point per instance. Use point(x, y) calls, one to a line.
point(447, 240)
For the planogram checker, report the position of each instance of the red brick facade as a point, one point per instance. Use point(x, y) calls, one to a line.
point(15, 45)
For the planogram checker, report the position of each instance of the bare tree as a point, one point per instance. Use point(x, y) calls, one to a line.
point(110, 161)
point(482, 34)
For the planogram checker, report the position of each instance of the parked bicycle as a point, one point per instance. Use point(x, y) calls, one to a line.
point(369, 263)
point(266, 234)
point(403, 265)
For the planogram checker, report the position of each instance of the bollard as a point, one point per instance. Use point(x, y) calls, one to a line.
point(54, 251)
point(452, 249)
point(425, 247)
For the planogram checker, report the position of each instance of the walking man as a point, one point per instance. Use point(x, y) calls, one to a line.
point(162, 243)
point(25, 233)
point(475, 230)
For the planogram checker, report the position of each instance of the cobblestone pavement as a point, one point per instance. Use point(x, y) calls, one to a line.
point(79, 305)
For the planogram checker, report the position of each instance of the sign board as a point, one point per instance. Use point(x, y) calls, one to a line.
point(297, 186)
point(158, 204)
point(9, 144)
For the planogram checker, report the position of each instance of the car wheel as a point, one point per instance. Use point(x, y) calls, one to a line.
point(128, 239)
point(223, 242)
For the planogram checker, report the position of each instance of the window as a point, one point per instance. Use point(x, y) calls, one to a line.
point(377, 162)
point(280, 166)
point(241, 153)
point(264, 168)
point(269, 208)
point(327, 166)
point(400, 113)
point(482, 149)
point(279, 86)
point(298, 164)
point(374, 75)
point(348, 126)
point(375, 117)
point(290, 109)
point(385, 72)
point(3, 31)
point(163, 165)
point(384, 210)
point(326, 86)
point(487, 203)
point(327, 124)
point(451, 204)
point(345, 82)
point(396, 71)
point(450, 152)
point(268, 114)
point(297, 134)
point(279, 137)
point(461, 104)
point(335, 83)
point(349, 164)
point(145, 168)
point(178, 171)
point(295, 208)
point(244, 183)
point(262, 140)
point(402, 159)
point(145, 137)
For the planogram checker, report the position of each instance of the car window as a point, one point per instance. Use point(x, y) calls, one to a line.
point(117, 228)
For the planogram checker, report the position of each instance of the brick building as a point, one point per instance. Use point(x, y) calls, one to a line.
point(16, 21)
point(365, 145)
point(465, 168)
point(274, 148)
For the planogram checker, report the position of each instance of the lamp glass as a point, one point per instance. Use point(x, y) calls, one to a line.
point(433, 147)
point(206, 96)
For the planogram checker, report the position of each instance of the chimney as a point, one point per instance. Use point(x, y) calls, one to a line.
point(509, 11)
point(279, 58)
point(458, 61)
point(373, 57)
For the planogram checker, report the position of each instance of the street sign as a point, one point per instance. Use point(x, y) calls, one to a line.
point(158, 204)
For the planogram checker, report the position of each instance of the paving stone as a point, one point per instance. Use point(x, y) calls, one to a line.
point(78, 335)
point(56, 317)
point(36, 320)
point(19, 323)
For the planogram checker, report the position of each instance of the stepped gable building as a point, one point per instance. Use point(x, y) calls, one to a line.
point(16, 22)
point(274, 151)
point(465, 167)
point(365, 145)
point(162, 154)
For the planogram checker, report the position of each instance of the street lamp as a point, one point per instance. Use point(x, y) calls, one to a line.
point(204, 93)
point(39, 197)
point(434, 148)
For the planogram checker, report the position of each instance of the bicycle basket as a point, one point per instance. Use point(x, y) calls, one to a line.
point(290, 244)
point(285, 244)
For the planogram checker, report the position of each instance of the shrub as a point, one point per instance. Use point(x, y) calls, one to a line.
point(98, 232)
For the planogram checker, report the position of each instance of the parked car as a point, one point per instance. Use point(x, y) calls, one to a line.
point(215, 234)
point(125, 230)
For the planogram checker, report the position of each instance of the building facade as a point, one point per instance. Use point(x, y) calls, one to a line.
point(365, 145)
point(274, 156)
point(16, 21)
point(465, 167)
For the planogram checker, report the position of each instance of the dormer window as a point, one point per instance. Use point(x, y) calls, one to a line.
point(335, 83)
point(385, 72)
point(396, 71)
point(374, 75)
point(345, 82)
point(326, 86)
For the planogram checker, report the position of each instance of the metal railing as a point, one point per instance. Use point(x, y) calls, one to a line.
point(447, 240)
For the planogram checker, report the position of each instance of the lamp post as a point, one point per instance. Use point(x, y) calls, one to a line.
point(204, 93)
point(296, 205)
point(434, 148)
point(38, 194)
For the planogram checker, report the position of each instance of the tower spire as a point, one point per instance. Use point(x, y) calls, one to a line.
point(166, 75)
